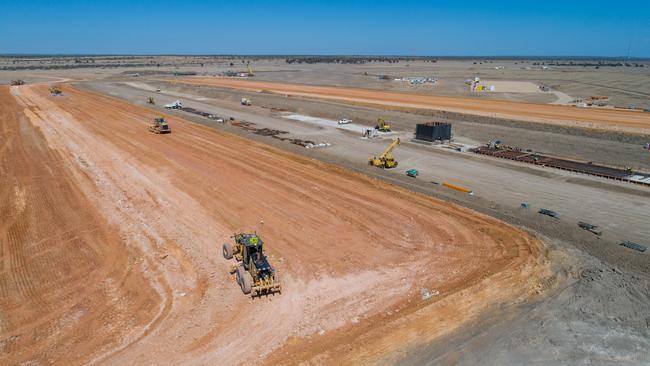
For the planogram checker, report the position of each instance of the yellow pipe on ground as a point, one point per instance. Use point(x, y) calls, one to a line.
point(458, 188)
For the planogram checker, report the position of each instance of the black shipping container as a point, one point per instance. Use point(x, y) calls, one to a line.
point(433, 131)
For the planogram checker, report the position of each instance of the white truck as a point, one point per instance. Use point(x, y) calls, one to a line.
point(176, 105)
point(246, 101)
point(345, 121)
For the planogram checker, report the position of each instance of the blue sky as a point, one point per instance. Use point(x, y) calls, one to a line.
point(484, 28)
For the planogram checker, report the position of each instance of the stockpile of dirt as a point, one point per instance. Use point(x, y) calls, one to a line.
point(351, 251)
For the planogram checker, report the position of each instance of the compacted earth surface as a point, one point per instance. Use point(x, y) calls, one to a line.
point(110, 235)
point(110, 246)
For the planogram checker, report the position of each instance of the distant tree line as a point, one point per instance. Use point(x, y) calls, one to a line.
point(352, 59)
point(591, 64)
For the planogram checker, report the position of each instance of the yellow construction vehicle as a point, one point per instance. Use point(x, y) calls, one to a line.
point(382, 125)
point(159, 126)
point(253, 272)
point(56, 90)
point(386, 160)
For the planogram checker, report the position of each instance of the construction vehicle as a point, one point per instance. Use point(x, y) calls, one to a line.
point(160, 126)
point(591, 228)
point(382, 125)
point(176, 105)
point(246, 101)
point(413, 173)
point(17, 82)
point(56, 90)
point(250, 70)
point(386, 160)
point(253, 272)
point(150, 100)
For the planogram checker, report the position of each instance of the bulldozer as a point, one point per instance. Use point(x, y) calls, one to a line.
point(151, 101)
point(160, 126)
point(253, 272)
point(386, 160)
point(382, 125)
point(56, 90)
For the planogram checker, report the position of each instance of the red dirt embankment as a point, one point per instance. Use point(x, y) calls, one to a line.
point(598, 118)
point(111, 245)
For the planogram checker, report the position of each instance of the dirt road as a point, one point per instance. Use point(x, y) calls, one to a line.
point(620, 120)
point(111, 246)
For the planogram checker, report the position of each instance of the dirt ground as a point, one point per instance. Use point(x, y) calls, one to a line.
point(110, 236)
point(145, 215)
point(601, 118)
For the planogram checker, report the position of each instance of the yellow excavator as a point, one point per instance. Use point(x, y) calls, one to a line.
point(382, 125)
point(386, 160)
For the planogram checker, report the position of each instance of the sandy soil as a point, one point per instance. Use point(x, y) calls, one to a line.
point(110, 246)
point(602, 118)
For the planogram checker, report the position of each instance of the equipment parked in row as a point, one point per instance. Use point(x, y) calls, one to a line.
point(591, 228)
point(550, 213)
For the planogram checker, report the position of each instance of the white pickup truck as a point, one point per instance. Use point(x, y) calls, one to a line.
point(345, 121)
point(176, 105)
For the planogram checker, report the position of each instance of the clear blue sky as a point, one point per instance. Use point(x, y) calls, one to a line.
point(580, 28)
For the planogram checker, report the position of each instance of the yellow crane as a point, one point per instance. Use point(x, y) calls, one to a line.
point(386, 160)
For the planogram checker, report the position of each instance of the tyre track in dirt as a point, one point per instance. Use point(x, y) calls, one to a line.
point(172, 199)
point(56, 255)
point(593, 118)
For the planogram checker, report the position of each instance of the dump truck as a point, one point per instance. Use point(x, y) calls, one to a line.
point(386, 160)
point(246, 101)
point(160, 126)
point(382, 125)
point(253, 272)
point(176, 105)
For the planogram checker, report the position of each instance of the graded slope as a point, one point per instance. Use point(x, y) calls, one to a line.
point(347, 248)
point(598, 118)
point(67, 279)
